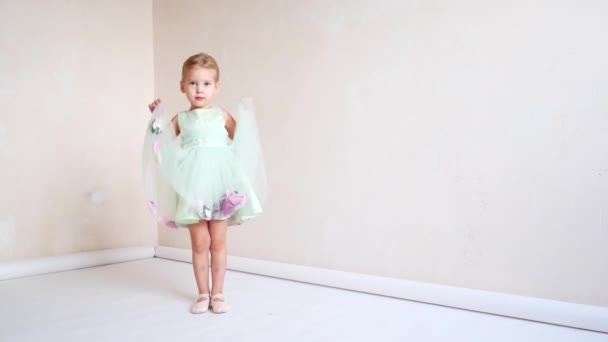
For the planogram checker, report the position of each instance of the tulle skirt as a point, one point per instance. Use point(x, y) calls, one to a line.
point(209, 185)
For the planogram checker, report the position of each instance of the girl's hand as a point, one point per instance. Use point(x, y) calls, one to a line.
point(153, 105)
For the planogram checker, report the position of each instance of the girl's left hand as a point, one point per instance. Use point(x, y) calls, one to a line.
point(153, 105)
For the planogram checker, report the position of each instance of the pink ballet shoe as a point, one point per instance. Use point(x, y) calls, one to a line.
point(200, 306)
point(220, 305)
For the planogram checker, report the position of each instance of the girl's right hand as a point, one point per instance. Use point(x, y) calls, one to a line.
point(153, 105)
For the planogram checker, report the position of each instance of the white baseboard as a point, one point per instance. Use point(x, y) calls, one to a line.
point(35, 266)
point(529, 308)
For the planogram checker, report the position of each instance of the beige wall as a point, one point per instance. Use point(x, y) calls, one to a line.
point(74, 80)
point(458, 143)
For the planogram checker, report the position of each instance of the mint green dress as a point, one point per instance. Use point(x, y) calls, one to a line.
point(208, 175)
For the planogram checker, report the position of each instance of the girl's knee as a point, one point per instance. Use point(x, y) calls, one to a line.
point(201, 246)
point(218, 245)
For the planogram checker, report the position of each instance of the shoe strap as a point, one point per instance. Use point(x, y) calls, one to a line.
point(202, 295)
point(219, 295)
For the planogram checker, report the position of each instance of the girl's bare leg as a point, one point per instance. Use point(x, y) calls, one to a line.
point(200, 238)
point(219, 255)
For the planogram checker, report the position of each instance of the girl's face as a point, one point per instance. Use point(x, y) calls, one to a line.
point(200, 87)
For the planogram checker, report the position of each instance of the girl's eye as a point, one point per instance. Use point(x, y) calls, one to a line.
point(207, 84)
point(192, 83)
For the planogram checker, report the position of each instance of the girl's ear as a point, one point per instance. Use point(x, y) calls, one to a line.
point(181, 87)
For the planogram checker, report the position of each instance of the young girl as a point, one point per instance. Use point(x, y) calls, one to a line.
point(204, 171)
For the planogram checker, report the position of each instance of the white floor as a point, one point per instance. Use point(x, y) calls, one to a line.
point(149, 300)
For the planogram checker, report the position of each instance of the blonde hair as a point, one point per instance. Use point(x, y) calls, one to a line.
point(201, 60)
